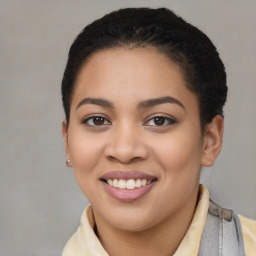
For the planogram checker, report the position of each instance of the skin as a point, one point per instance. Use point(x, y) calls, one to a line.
point(129, 138)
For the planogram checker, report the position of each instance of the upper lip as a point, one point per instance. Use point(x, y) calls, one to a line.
point(126, 175)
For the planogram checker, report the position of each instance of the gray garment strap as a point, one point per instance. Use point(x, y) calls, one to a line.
point(222, 234)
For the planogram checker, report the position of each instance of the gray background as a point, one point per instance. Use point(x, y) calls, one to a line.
point(40, 201)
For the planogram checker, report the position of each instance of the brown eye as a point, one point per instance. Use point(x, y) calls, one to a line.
point(159, 120)
point(96, 121)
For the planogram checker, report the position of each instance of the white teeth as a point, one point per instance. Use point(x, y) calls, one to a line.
point(115, 183)
point(138, 183)
point(128, 184)
point(122, 184)
point(144, 182)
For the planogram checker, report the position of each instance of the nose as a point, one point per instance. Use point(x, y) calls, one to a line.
point(126, 145)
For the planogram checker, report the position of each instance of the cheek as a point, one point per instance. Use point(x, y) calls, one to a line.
point(85, 152)
point(84, 148)
point(179, 157)
point(180, 154)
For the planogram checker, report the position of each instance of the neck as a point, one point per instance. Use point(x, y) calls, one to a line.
point(164, 237)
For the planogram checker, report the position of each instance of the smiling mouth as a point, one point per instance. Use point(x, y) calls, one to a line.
point(128, 184)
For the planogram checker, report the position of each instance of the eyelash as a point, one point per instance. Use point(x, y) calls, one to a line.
point(166, 121)
point(93, 118)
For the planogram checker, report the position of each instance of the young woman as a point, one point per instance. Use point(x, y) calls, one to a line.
point(143, 93)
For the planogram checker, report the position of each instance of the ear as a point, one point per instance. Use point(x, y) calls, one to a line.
point(65, 137)
point(212, 141)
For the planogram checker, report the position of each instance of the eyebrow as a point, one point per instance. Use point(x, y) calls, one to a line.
point(144, 104)
point(153, 102)
point(95, 101)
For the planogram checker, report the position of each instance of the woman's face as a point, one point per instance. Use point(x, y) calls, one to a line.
point(133, 121)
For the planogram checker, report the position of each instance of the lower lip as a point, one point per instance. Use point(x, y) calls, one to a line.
point(128, 195)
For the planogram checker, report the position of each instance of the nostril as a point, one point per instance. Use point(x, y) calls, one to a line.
point(124, 159)
point(112, 158)
point(126, 149)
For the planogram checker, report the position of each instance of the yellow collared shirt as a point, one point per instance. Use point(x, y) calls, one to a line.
point(84, 242)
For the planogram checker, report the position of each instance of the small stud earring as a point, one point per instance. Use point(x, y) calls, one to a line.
point(68, 163)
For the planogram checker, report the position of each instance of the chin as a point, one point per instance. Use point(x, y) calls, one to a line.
point(133, 225)
point(133, 219)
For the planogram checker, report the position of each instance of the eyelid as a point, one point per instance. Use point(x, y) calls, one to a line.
point(87, 118)
point(171, 120)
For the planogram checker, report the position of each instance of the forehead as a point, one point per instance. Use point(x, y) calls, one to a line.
point(138, 73)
